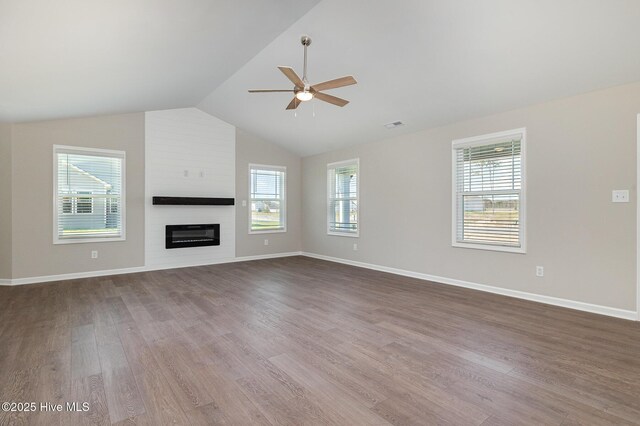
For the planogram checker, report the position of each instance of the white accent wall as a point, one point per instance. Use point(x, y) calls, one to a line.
point(188, 153)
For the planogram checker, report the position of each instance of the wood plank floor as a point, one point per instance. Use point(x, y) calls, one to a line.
point(302, 341)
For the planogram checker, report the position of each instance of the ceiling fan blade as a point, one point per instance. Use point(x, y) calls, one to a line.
point(291, 75)
point(332, 84)
point(331, 99)
point(269, 90)
point(294, 103)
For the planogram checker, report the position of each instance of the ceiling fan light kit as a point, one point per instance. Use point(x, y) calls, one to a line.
point(304, 95)
point(303, 91)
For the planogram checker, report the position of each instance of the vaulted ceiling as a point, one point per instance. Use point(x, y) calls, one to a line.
point(87, 57)
point(425, 62)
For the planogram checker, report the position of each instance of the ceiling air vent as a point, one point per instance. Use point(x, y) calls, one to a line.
point(394, 124)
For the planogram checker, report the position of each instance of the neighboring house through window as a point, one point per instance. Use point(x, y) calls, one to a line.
point(78, 204)
point(88, 192)
point(342, 198)
point(84, 205)
point(489, 191)
point(268, 204)
point(67, 205)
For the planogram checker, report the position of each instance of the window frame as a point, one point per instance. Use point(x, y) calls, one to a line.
point(333, 166)
point(488, 139)
point(96, 152)
point(283, 199)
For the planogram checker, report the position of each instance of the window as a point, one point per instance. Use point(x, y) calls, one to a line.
point(88, 195)
point(84, 205)
point(342, 182)
point(112, 206)
point(268, 203)
point(489, 191)
point(67, 205)
point(77, 204)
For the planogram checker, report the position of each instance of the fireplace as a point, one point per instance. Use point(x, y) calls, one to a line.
point(179, 236)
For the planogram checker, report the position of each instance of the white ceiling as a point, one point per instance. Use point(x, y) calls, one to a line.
point(70, 58)
point(425, 62)
point(430, 62)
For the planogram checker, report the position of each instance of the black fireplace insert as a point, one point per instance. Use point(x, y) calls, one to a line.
point(178, 236)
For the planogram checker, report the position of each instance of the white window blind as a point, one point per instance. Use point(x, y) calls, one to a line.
point(342, 182)
point(88, 194)
point(268, 204)
point(489, 191)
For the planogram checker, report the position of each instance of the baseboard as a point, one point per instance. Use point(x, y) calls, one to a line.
point(90, 274)
point(150, 268)
point(227, 260)
point(549, 300)
point(268, 256)
point(74, 276)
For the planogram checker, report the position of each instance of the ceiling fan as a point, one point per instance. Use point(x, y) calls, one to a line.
point(303, 91)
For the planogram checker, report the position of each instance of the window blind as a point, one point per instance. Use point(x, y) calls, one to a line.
point(343, 197)
point(488, 182)
point(88, 195)
point(267, 193)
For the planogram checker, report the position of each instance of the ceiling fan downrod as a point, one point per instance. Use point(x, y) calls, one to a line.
point(306, 41)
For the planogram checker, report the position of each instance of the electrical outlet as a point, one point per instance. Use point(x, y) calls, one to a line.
point(355, 246)
point(620, 196)
point(94, 254)
point(244, 203)
point(266, 242)
point(539, 271)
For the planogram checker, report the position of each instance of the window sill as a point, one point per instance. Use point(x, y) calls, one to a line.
point(87, 240)
point(268, 231)
point(504, 249)
point(344, 234)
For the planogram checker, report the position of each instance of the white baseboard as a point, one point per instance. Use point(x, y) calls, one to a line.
point(187, 265)
point(90, 274)
point(549, 300)
point(74, 275)
point(268, 256)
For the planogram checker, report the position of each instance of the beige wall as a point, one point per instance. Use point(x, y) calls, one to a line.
point(578, 150)
point(5, 201)
point(34, 253)
point(251, 149)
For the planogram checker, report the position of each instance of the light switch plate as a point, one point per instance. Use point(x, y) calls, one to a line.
point(620, 196)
